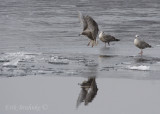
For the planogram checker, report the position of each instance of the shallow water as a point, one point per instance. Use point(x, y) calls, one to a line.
point(40, 38)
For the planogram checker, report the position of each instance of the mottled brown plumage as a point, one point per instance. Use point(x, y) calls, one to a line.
point(90, 28)
point(107, 38)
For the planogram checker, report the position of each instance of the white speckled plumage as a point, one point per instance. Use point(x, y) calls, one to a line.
point(141, 44)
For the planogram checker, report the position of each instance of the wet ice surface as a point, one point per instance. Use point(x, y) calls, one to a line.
point(40, 38)
point(83, 65)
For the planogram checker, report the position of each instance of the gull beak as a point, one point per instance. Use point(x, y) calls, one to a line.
point(79, 34)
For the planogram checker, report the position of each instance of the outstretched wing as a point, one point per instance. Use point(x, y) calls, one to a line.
point(82, 19)
point(92, 26)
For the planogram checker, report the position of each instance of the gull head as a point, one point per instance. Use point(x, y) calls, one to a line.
point(137, 36)
point(101, 34)
point(82, 33)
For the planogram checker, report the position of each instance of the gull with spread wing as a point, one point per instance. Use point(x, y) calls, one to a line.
point(90, 28)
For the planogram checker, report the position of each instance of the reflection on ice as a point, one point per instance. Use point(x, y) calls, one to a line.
point(88, 91)
point(145, 59)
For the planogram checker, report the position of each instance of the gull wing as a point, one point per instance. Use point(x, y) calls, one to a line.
point(143, 44)
point(92, 92)
point(81, 97)
point(83, 21)
point(108, 37)
point(92, 26)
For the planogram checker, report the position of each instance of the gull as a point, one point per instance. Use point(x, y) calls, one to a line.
point(141, 44)
point(90, 28)
point(106, 38)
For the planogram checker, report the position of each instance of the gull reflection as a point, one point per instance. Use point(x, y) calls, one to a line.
point(88, 91)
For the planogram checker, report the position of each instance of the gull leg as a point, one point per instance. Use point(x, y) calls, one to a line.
point(141, 52)
point(105, 44)
point(108, 44)
point(96, 42)
point(92, 43)
point(89, 43)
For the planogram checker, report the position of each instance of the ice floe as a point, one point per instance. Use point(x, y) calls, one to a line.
point(57, 60)
point(12, 63)
point(3, 59)
point(126, 63)
point(12, 59)
point(141, 68)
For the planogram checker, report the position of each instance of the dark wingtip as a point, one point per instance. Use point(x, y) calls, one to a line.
point(117, 39)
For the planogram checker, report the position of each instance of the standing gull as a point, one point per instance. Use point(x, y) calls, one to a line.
point(90, 28)
point(141, 44)
point(107, 38)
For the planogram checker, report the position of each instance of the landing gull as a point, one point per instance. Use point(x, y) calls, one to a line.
point(90, 28)
point(141, 44)
point(106, 38)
